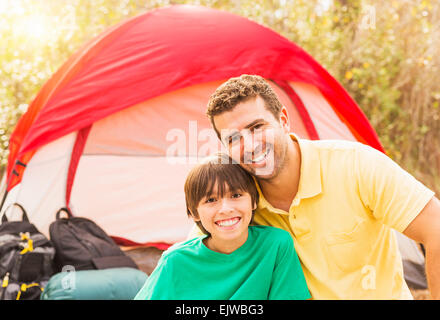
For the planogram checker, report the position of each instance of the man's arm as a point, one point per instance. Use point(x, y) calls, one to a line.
point(425, 228)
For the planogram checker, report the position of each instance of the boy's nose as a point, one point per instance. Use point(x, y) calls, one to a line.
point(225, 205)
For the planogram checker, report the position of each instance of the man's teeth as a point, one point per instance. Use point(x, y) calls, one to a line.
point(258, 159)
point(228, 222)
point(261, 157)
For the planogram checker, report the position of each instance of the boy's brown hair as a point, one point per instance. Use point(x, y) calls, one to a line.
point(241, 89)
point(221, 171)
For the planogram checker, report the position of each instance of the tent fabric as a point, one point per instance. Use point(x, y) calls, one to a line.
point(113, 135)
point(77, 151)
point(326, 120)
point(151, 53)
point(42, 188)
point(310, 127)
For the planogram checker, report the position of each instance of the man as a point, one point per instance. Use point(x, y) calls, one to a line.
point(338, 199)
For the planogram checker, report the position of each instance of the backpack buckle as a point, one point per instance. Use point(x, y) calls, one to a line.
point(29, 246)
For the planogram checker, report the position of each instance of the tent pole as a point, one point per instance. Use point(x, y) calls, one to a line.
point(9, 181)
point(4, 198)
point(6, 189)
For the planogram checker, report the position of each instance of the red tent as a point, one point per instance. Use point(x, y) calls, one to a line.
point(100, 134)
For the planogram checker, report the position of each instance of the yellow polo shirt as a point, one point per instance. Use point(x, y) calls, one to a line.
point(350, 197)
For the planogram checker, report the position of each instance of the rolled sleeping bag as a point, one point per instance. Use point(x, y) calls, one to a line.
point(106, 284)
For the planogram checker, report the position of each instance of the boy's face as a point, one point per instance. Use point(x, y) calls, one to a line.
point(226, 218)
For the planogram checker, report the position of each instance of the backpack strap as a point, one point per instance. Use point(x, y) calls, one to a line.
point(69, 214)
point(25, 286)
point(24, 214)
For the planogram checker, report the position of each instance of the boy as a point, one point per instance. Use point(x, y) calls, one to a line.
point(232, 260)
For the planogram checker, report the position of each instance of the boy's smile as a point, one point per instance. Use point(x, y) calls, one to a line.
point(228, 223)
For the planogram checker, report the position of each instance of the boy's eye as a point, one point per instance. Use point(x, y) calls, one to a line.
point(209, 200)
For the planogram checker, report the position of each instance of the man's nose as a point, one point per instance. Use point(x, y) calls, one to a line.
point(247, 142)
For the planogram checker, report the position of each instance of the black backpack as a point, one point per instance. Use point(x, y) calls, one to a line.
point(26, 259)
point(80, 243)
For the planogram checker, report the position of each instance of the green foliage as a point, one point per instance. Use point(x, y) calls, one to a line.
point(385, 53)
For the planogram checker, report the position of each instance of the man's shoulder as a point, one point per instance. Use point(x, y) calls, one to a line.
point(332, 144)
point(337, 150)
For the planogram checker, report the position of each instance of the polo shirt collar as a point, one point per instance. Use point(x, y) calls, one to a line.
point(310, 183)
point(310, 174)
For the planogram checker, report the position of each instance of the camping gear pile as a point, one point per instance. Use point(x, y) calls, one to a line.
point(113, 133)
point(31, 263)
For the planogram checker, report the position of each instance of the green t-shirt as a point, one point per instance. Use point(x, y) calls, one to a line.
point(265, 267)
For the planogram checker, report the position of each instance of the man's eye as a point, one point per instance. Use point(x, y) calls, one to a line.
point(233, 139)
point(257, 126)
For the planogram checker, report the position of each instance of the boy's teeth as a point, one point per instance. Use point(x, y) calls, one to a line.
point(229, 222)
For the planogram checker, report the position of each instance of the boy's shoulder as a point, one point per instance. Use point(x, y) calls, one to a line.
point(272, 239)
point(183, 247)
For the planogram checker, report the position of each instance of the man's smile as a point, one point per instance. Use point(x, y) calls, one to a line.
point(258, 155)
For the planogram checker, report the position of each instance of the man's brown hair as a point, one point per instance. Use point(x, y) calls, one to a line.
point(241, 89)
point(221, 171)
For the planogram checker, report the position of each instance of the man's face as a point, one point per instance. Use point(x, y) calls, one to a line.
point(254, 138)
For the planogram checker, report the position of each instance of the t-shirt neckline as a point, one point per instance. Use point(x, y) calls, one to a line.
point(226, 256)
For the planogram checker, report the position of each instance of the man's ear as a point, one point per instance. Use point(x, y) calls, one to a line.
point(284, 119)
